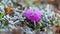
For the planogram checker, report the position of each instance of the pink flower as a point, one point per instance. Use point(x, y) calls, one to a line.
point(33, 14)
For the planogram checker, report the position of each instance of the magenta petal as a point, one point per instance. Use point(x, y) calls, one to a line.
point(33, 16)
